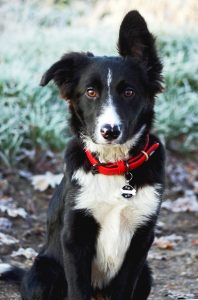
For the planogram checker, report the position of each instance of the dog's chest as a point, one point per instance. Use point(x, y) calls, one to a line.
point(118, 219)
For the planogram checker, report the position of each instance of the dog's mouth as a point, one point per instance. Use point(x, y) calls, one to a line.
point(109, 142)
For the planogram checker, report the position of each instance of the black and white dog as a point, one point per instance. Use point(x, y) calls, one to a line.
point(102, 216)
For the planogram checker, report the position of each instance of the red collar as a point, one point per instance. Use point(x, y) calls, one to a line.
point(122, 167)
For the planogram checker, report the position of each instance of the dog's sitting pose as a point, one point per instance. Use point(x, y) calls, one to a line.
point(102, 216)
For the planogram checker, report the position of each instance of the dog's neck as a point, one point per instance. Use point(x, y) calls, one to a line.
point(114, 153)
point(108, 153)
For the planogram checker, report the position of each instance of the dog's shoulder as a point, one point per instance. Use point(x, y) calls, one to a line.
point(75, 157)
point(56, 204)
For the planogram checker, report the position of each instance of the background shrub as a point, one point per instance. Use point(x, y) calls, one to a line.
point(33, 37)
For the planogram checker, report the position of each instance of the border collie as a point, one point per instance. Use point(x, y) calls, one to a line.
point(101, 219)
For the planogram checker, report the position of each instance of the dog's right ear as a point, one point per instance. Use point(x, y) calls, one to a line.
point(136, 41)
point(65, 72)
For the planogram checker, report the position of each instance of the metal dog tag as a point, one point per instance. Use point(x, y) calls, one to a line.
point(128, 190)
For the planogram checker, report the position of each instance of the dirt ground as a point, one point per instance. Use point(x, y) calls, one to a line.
point(174, 261)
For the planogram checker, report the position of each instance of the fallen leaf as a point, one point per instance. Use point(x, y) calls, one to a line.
point(187, 203)
point(177, 295)
point(155, 256)
point(24, 153)
point(25, 174)
point(5, 224)
point(160, 224)
point(7, 239)
point(175, 238)
point(7, 243)
point(195, 185)
point(9, 207)
point(29, 253)
point(195, 242)
point(167, 242)
point(163, 244)
point(42, 182)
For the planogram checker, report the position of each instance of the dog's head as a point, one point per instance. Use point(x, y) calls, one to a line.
point(112, 98)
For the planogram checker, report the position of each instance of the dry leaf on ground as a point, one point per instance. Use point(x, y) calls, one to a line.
point(42, 182)
point(7, 243)
point(167, 242)
point(7, 239)
point(29, 253)
point(5, 224)
point(8, 206)
point(187, 203)
point(176, 295)
point(195, 242)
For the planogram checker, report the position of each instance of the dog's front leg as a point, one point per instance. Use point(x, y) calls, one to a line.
point(134, 269)
point(78, 242)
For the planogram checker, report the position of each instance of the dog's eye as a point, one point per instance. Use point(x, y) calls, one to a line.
point(91, 93)
point(129, 93)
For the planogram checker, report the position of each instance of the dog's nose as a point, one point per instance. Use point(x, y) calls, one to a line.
point(110, 132)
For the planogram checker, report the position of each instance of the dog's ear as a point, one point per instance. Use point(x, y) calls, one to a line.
point(136, 41)
point(65, 72)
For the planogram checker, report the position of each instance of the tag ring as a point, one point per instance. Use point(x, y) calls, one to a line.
point(145, 154)
point(128, 176)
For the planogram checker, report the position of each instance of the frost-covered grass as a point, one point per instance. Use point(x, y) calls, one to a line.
point(177, 107)
point(33, 117)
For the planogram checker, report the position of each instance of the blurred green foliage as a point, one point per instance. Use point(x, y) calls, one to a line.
point(177, 107)
point(34, 117)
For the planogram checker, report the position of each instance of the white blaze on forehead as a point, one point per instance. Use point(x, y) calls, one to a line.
point(108, 116)
point(109, 80)
point(108, 113)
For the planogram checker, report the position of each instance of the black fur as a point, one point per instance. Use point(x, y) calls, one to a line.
point(63, 268)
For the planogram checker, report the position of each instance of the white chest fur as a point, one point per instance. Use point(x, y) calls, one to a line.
point(118, 218)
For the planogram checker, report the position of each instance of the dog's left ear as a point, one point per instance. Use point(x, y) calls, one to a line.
point(136, 41)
